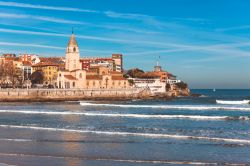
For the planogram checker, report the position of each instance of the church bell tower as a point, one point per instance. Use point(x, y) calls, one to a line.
point(72, 54)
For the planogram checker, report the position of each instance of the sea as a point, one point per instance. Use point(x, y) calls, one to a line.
point(212, 129)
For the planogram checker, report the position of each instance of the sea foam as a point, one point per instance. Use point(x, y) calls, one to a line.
point(233, 102)
point(116, 133)
point(178, 107)
point(125, 115)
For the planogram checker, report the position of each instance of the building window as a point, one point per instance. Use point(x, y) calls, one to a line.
point(74, 49)
point(80, 75)
point(73, 84)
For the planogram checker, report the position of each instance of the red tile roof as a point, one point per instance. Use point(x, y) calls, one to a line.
point(70, 77)
point(115, 72)
point(118, 78)
point(75, 70)
point(48, 63)
point(27, 63)
point(93, 77)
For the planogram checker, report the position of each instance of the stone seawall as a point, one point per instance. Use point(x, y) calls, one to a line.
point(71, 94)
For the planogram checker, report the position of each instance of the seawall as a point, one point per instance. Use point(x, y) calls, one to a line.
point(46, 95)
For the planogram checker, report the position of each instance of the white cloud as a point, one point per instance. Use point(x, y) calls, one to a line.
point(115, 40)
point(42, 18)
point(25, 5)
point(29, 45)
point(127, 15)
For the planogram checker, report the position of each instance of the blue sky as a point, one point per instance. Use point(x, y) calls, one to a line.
point(204, 42)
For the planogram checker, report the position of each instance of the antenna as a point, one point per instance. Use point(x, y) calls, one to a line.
point(157, 62)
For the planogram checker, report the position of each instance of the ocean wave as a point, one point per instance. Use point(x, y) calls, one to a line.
point(233, 102)
point(42, 112)
point(115, 159)
point(15, 140)
point(143, 116)
point(115, 133)
point(146, 116)
point(178, 107)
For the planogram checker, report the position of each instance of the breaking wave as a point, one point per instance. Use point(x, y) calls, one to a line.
point(195, 117)
point(233, 102)
point(116, 159)
point(114, 133)
point(16, 140)
point(178, 107)
point(42, 112)
point(143, 116)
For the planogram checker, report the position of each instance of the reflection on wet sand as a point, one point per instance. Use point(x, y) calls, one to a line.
point(72, 147)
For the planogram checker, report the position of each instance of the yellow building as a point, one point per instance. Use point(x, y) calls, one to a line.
point(49, 70)
point(98, 76)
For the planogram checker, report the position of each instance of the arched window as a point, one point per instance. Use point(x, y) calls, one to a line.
point(74, 49)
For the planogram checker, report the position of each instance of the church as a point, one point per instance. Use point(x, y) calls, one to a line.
point(100, 74)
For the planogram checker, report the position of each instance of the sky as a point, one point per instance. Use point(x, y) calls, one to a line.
point(206, 43)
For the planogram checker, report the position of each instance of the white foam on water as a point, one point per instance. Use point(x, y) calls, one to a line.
point(233, 102)
point(116, 160)
point(195, 117)
point(42, 112)
point(150, 135)
point(178, 107)
point(160, 162)
point(145, 116)
point(4, 164)
point(16, 140)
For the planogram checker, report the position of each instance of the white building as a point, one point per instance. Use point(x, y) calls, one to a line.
point(173, 81)
point(155, 85)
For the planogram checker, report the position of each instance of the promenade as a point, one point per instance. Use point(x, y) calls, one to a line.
point(71, 94)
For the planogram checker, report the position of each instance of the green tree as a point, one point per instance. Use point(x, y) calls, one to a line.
point(37, 77)
point(135, 72)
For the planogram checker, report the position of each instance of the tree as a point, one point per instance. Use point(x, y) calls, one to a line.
point(37, 77)
point(135, 72)
point(181, 85)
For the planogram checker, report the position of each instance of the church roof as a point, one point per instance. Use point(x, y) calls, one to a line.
point(93, 77)
point(72, 40)
point(43, 64)
point(70, 77)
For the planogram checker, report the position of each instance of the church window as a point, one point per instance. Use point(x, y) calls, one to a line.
point(73, 84)
point(74, 49)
